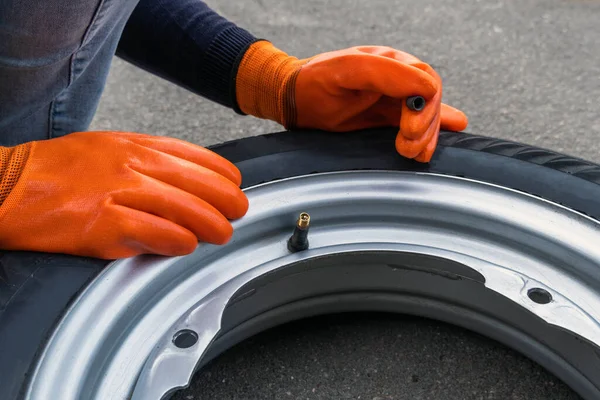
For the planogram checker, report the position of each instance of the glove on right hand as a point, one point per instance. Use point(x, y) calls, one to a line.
point(116, 194)
point(344, 90)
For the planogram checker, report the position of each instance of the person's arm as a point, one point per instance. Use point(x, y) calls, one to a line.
point(361, 87)
point(187, 43)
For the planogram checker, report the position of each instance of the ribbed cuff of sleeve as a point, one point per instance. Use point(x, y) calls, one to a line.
point(222, 60)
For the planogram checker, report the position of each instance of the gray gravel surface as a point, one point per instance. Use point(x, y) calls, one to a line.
point(525, 70)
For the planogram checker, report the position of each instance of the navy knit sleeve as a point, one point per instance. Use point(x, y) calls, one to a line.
point(187, 43)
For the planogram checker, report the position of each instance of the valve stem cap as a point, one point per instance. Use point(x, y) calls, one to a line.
point(299, 239)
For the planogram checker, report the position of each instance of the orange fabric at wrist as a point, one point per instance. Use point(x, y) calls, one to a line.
point(12, 163)
point(265, 83)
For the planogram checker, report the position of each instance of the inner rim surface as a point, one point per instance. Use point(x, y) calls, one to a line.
point(404, 283)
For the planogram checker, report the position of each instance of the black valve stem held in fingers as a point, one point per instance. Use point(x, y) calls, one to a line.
point(299, 239)
point(415, 103)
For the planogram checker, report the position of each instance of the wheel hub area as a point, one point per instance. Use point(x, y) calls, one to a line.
point(514, 267)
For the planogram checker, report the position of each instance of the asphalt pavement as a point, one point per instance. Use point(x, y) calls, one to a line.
point(373, 357)
point(524, 70)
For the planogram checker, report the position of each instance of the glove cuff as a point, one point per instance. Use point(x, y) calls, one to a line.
point(265, 83)
point(12, 163)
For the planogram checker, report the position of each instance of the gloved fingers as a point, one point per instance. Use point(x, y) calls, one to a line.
point(428, 69)
point(144, 233)
point(203, 183)
point(425, 155)
point(413, 124)
point(387, 109)
point(353, 115)
point(367, 120)
point(384, 113)
point(191, 152)
point(410, 148)
point(453, 119)
point(179, 148)
point(389, 52)
point(123, 135)
point(179, 207)
point(386, 76)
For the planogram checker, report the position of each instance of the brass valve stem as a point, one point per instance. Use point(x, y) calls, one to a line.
point(299, 239)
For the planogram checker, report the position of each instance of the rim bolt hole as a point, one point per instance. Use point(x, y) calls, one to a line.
point(185, 338)
point(539, 296)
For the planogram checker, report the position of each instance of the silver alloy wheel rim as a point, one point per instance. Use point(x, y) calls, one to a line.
point(117, 340)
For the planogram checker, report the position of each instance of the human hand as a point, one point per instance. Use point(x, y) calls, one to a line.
point(356, 88)
point(116, 194)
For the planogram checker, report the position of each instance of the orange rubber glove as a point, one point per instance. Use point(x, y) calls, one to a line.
point(116, 194)
point(345, 90)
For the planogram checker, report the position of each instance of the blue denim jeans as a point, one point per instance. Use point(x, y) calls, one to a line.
point(54, 59)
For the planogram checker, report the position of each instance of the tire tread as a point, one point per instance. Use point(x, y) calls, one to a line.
point(569, 165)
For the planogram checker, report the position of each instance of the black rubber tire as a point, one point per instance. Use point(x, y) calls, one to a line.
point(35, 289)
